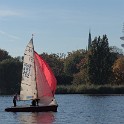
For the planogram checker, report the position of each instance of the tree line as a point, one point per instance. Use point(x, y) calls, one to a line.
point(98, 65)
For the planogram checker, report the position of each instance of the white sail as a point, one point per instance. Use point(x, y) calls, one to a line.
point(28, 84)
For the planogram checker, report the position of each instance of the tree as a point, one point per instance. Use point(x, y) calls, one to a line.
point(4, 55)
point(81, 77)
point(55, 62)
point(116, 50)
point(118, 70)
point(100, 61)
point(10, 76)
point(71, 61)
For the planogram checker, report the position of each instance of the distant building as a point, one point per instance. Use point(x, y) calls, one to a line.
point(89, 41)
point(122, 38)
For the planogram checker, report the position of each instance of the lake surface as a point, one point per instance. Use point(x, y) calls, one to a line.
point(73, 109)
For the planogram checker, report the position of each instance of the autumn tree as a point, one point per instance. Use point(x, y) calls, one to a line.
point(55, 62)
point(71, 61)
point(81, 77)
point(118, 70)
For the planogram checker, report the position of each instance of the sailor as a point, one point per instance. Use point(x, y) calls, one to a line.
point(14, 100)
point(37, 101)
point(33, 102)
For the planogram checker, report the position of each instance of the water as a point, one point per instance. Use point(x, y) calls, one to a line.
point(73, 109)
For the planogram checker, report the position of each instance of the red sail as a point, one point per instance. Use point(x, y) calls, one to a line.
point(47, 72)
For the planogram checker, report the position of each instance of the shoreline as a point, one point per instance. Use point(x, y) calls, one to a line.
point(91, 89)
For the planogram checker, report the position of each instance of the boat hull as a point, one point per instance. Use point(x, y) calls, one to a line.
point(32, 108)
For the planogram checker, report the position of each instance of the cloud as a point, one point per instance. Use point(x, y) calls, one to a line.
point(9, 35)
point(6, 13)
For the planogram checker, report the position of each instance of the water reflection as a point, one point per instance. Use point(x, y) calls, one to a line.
point(36, 118)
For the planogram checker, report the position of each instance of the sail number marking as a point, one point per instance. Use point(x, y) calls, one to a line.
point(29, 49)
point(26, 70)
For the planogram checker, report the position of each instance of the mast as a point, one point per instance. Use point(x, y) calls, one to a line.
point(35, 67)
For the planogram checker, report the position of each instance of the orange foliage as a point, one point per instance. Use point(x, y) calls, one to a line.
point(118, 70)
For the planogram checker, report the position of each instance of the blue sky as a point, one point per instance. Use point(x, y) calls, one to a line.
point(59, 26)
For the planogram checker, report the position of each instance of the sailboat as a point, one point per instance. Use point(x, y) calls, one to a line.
point(38, 82)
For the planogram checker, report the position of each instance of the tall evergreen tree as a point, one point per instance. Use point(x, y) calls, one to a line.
point(100, 61)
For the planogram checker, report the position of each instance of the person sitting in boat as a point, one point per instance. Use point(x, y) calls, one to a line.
point(15, 99)
point(37, 101)
point(33, 102)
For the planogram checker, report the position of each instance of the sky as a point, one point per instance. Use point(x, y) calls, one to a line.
point(59, 26)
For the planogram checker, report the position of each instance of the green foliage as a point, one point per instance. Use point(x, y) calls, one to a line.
point(80, 78)
point(55, 62)
point(64, 79)
point(71, 62)
point(80, 71)
point(90, 89)
point(4, 55)
point(10, 76)
point(100, 61)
